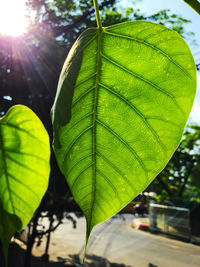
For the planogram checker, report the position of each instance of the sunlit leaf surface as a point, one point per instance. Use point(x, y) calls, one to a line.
point(124, 96)
point(24, 169)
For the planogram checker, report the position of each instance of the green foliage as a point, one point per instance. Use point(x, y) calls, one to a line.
point(24, 164)
point(129, 101)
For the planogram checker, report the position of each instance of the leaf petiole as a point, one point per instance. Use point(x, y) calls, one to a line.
point(99, 25)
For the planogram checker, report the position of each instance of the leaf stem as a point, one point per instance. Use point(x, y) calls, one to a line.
point(194, 4)
point(99, 25)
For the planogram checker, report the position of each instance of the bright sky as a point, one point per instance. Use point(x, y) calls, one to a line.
point(12, 17)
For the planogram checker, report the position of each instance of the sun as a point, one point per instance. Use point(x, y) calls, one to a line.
point(13, 21)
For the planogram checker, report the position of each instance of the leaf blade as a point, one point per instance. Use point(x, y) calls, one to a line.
point(124, 100)
point(24, 162)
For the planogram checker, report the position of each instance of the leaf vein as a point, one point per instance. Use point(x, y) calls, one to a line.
point(141, 116)
point(126, 145)
point(23, 165)
point(114, 167)
point(77, 163)
point(81, 96)
point(24, 214)
point(20, 182)
point(79, 175)
point(21, 199)
point(144, 80)
point(74, 141)
point(81, 119)
point(85, 80)
point(164, 120)
point(153, 47)
point(22, 130)
point(83, 198)
point(110, 183)
point(24, 153)
point(80, 190)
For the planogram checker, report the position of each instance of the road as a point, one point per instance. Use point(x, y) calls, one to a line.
point(116, 241)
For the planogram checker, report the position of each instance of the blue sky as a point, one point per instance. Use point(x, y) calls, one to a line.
point(179, 7)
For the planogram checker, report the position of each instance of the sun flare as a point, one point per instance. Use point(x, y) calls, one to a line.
point(13, 19)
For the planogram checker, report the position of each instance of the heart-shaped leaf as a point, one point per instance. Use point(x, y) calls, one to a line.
point(124, 96)
point(24, 169)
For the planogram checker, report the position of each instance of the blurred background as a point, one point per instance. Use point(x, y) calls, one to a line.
point(35, 38)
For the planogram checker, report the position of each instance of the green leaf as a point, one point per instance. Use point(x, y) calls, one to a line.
point(24, 169)
point(132, 96)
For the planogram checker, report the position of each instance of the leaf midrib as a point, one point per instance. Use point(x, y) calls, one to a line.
point(94, 171)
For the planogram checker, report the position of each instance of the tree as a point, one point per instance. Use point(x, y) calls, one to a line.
point(179, 182)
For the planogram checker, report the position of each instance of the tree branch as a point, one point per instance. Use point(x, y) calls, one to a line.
point(165, 186)
point(194, 4)
point(52, 229)
point(182, 188)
